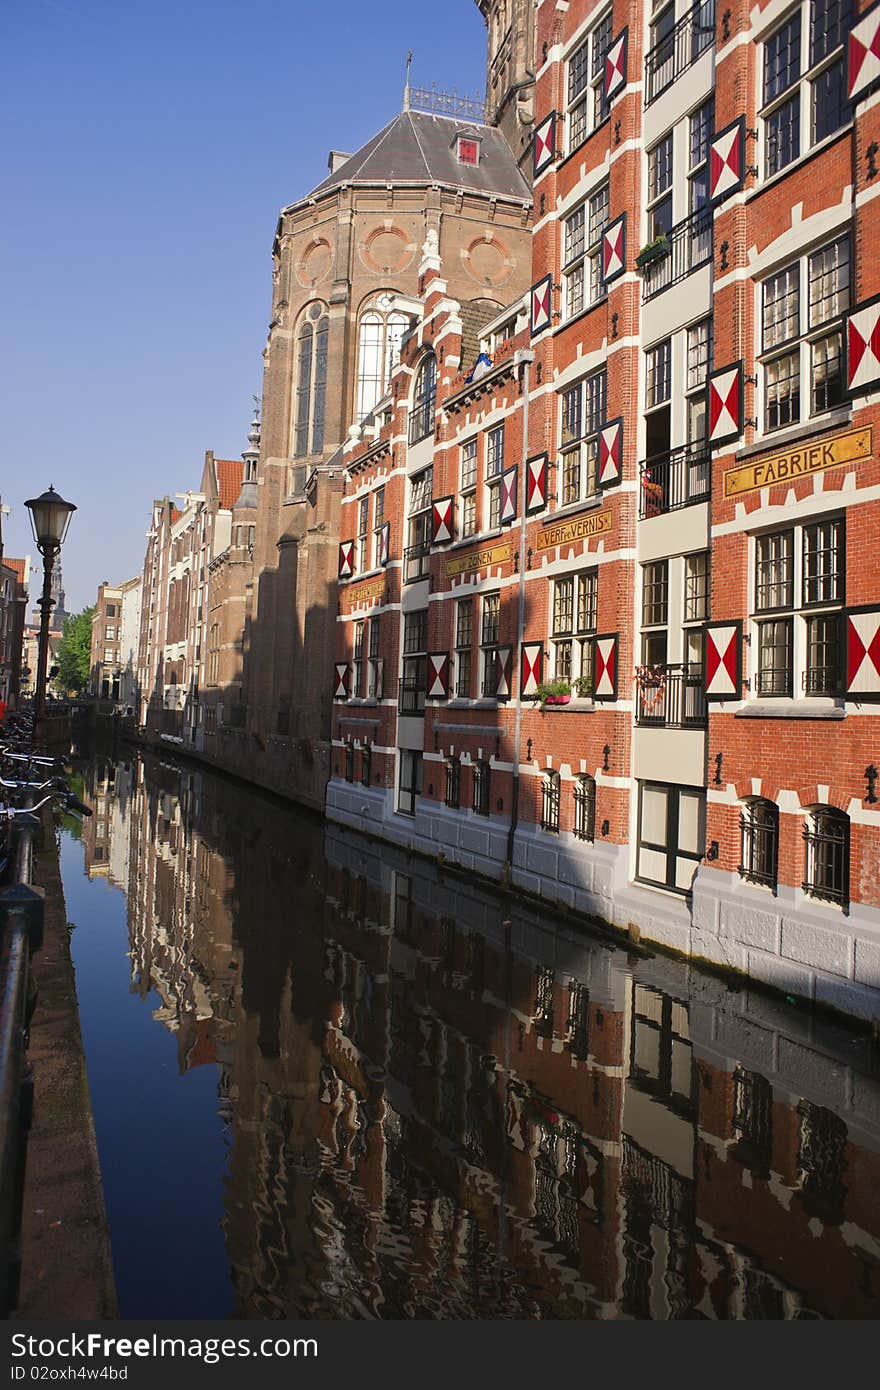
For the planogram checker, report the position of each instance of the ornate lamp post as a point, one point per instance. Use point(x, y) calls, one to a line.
point(50, 518)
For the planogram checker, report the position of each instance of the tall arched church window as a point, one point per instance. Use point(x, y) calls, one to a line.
point(379, 338)
point(421, 420)
point(311, 381)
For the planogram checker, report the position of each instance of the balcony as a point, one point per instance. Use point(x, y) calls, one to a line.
point(416, 562)
point(690, 246)
point(680, 478)
point(671, 697)
point(674, 54)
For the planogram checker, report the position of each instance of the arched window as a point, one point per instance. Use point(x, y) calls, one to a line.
point(826, 855)
point(550, 802)
point(759, 826)
point(311, 381)
point(585, 807)
point(421, 419)
point(379, 337)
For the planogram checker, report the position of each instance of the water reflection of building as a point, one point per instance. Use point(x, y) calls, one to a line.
point(445, 1104)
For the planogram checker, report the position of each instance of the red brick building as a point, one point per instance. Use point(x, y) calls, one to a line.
point(654, 494)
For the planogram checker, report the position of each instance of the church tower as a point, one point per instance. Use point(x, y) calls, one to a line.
point(510, 71)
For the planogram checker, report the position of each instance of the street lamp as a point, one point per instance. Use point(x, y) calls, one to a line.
point(50, 518)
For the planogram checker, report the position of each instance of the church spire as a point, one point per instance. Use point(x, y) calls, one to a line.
point(407, 88)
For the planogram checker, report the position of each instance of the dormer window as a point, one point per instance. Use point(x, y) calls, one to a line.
point(467, 149)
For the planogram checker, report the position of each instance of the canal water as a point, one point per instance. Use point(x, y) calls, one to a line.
point(330, 1080)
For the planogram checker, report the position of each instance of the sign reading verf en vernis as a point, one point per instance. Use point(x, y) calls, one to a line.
point(478, 559)
point(580, 529)
point(851, 447)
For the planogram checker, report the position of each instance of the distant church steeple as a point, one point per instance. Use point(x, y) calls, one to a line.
point(248, 495)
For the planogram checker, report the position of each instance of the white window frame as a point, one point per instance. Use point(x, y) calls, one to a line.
point(590, 95)
point(801, 89)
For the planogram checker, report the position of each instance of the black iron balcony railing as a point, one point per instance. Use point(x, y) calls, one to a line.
point(677, 479)
point(416, 561)
point(674, 54)
point(690, 246)
point(671, 697)
point(412, 695)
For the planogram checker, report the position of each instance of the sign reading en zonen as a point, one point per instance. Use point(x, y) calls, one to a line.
point(851, 447)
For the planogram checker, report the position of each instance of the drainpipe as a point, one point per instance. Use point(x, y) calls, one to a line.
point(523, 358)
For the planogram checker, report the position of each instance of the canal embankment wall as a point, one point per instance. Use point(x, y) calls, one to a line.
point(67, 1267)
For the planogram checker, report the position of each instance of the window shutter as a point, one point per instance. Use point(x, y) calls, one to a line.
point(441, 520)
point(346, 559)
point(536, 484)
point(505, 655)
point(531, 666)
point(863, 653)
point(438, 675)
point(605, 667)
point(508, 495)
point(723, 661)
point(727, 160)
point(725, 404)
point(615, 66)
point(340, 688)
point(611, 453)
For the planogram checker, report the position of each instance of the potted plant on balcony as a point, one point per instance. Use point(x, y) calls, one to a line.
point(556, 692)
point(654, 251)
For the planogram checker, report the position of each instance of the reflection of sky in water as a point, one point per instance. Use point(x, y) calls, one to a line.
point(388, 1138)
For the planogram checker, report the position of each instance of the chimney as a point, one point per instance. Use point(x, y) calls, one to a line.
point(336, 159)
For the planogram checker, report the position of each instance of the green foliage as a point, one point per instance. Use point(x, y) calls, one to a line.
point(74, 652)
point(548, 688)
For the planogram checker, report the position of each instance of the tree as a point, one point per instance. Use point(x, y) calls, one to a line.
point(73, 657)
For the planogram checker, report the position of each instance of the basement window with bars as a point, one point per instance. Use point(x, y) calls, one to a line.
point(481, 788)
point(550, 798)
point(586, 105)
point(582, 277)
point(366, 764)
point(759, 831)
point(826, 855)
point(804, 81)
point(585, 807)
point(452, 796)
point(584, 412)
point(799, 586)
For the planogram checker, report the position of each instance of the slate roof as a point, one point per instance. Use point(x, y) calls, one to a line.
point(418, 148)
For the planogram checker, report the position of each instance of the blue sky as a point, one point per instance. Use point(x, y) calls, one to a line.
point(148, 146)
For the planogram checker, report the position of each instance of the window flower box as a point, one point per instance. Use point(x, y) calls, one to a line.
point(654, 251)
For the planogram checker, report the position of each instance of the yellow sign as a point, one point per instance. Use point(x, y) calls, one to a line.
point(362, 593)
point(479, 559)
point(595, 524)
point(851, 447)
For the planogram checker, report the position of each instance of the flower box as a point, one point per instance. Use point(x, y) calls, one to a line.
point(654, 251)
point(557, 700)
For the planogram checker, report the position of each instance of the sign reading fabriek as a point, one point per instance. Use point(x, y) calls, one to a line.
point(478, 559)
point(851, 447)
point(364, 593)
point(580, 529)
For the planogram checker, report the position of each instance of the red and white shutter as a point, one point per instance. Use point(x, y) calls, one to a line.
point(541, 313)
point(545, 143)
point(863, 54)
point(615, 66)
point(605, 667)
point(536, 484)
point(508, 495)
point(725, 404)
point(727, 160)
point(441, 520)
point(611, 453)
point(531, 666)
point(438, 675)
point(723, 661)
point(504, 672)
point(614, 249)
point(863, 346)
point(863, 653)
point(384, 543)
point(346, 559)
point(340, 685)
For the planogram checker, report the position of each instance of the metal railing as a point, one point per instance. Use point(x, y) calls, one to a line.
point(690, 246)
point(679, 478)
point(416, 561)
point(671, 697)
point(411, 695)
point(674, 54)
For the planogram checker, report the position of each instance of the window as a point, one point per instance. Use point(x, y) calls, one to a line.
point(464, 638)
point(481, 787)
point(410, 781)
point(379, 338)
point(585, 807)
point(802, 335)
point(582, 254)
point(550, 802)
point(416, 557)
point(804, 93)
point(108, 654)
point(699, 364)
point(414, 679)
point(453, 783)
point(349, 762)
point(759, 827)
point(110, 632)
point(375, 664)
point(799, 578)
point(826, 867)
point(586, 104)
point(357, 659)
point(378, 523)
point(311, 381)
point(696, 587)
point(583, 415)
point(671, 835)
point(489, 644)
point(363, 526)
point(573, 627)
point(468, 150)
point(366, 764)
point(701, 124)
point(467, 483)
point(655, 612)
point(111, 610)
point(660, 187)
point(494, 469)
point(421, 419)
